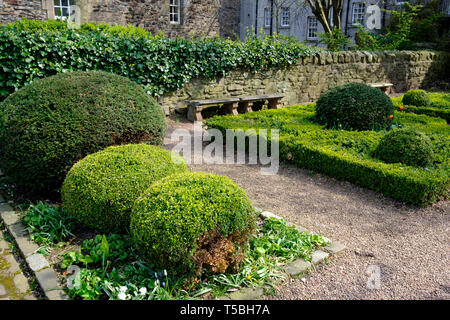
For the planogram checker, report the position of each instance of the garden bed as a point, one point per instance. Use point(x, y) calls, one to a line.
point(439, 107)
point(110, 268)
point(347, 155)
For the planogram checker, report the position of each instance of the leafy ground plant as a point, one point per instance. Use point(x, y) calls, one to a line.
point(48, 225)
point(109, 267)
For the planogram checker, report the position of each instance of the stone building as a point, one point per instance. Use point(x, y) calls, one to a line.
point(172, 17)
point(295, 18)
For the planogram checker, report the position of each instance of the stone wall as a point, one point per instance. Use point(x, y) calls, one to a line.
point(307, 80)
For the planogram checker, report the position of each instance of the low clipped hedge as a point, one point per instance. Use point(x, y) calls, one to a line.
point(347, 155)
point(354, 106)
point(439, 106)
point(47, 126)
point(177, 220)
point(100, 190)
point(418, 98)
point(406, 146)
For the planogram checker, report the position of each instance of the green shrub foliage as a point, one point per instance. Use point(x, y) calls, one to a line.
point(182, 214)
point(418, 98)
point(355, 106)
point(35, 50)
point(48, 125)
point(100, 190)
point(406, 146)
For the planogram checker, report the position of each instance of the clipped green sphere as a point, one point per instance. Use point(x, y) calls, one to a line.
point(182, 215)
point(100, 190)
point(355, 106)
point(48, 125)
point(418, 98)
point(406, 146)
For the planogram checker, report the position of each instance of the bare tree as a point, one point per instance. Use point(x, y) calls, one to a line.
point(322, 9)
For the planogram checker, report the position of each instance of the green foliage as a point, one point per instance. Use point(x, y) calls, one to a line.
point(50, 124)
point(397, 36)
point(119, 273)
point(406, 146)
point(48, 225)
point(158, 64)
point(335, 41)
point(418, 98)
point(169, 218)
point(439, 106)
point(355, 106)
point(100, 190)
point(275, 245)
point(348, 155)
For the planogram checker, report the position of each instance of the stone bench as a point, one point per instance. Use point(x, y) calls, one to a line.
point(382, 86)
point(231, 105)
point(246, 103)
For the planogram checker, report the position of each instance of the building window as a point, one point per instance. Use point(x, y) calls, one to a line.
point(285, 17)
point(312, 28)
point(267, 17)
point(175, 11)
point(359, 9)
point(62, 9)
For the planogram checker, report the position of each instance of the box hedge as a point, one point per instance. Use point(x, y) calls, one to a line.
point(47, 126)
point(100, 190)
point(439, 106)
point(179, 221)
point(347, 155)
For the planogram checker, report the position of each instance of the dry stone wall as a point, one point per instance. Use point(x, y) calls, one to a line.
point(312, 76)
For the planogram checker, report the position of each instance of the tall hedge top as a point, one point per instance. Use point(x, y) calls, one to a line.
point(355, 106)
point(36, 50)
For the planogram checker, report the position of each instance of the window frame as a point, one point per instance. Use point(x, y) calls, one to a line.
point(267, 17)
point(363, 13)
point(61, 7)
point(308, 28)
point(283, 11)
point(176, 4)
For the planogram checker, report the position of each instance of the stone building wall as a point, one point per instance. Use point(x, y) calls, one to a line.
point(198, 17)
point(312, 76)
point(13, 10)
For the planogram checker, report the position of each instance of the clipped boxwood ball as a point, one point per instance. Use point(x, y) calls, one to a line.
point(99, 191)
point(406, 146)
point(418, 98)
point(48, 125)
point(192, 221)
point(355, 106)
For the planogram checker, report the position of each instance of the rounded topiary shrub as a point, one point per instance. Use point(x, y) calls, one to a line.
point(192, 221)
point(354, 106)
point(405, 146)
point(100, 190)
point(48, 125)
point(418, 98)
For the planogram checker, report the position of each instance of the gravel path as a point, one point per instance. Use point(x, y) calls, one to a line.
point(410, 245)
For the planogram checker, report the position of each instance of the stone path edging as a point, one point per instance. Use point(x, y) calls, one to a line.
point(37, 262)
point(293, 269)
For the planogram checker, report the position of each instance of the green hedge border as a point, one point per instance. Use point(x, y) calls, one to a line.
point(411, 185)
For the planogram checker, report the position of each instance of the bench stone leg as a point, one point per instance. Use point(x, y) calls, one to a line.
point(274, 104)
point(194, 114)
point(245, 107)
point(231, 108)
